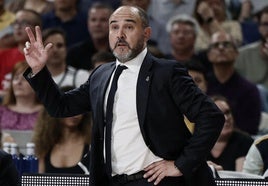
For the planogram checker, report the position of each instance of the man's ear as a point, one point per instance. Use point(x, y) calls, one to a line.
point(147, 33)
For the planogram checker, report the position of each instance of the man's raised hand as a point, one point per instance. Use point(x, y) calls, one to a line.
point(35, 52)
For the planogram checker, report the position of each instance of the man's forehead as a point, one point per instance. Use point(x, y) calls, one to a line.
point(128, 14)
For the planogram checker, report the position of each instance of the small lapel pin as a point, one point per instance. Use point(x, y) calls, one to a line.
point(147, 78)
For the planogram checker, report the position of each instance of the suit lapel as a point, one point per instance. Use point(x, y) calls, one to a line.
point(143, 86)
point(104, 82)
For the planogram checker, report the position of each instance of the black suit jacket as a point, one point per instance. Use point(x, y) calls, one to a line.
point(165, 92)
point(8, 172)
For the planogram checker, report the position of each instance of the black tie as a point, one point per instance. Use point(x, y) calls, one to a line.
point(109, 117)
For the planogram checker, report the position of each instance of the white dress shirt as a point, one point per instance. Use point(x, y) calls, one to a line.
point(128, 150)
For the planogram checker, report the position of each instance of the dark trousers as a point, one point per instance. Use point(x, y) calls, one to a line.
point(167, 181)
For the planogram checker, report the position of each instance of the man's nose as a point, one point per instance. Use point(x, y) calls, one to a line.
point(121, 34)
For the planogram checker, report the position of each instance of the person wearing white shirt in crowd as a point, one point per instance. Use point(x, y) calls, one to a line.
point(62, 74)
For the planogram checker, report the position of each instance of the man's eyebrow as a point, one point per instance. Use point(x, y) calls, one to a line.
point(126, 20)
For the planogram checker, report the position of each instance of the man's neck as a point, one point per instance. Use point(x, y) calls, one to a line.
point(183, 55)
point(223, 72)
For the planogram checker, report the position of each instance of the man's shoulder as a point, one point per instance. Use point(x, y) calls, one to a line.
point(166, 61)
point(246, 84)
point(171, 64)
point(103, 68)
point(250, 47)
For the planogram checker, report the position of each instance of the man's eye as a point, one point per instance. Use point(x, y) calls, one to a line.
point(93, 20)
point(59, 45)
point(114, 27)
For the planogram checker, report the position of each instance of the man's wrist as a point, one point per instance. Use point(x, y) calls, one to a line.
point(176, 167)
point(179, 173)
point(31, 75)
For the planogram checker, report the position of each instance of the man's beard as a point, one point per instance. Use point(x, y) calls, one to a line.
point(132, 52)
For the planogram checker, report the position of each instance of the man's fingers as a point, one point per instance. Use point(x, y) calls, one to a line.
point(48, 46)
point(159, 178)
point(30, 34)
point(38, 34)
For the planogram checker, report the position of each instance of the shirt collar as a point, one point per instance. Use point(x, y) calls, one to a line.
point(135, 63)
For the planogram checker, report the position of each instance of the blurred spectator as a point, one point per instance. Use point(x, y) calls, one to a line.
point(258, 6)
point(79, 56)
point(114, 3)
point(240, 10)
point(244, 96)
point(159, 36)
point(250, 32)
point(211, 16)
point(84, 5)
point(20, 105)
point(101, 58)
point(182, 31)
point(66, 16)
point(9, 57)
point(40, 6)
point(62, 74)
point(155, 51)
point(163, 10)
point(232, 145)
point(252, 61)
point(6, 16)
point(256, 160)
point(62, 145)
point(6, 32)
point(198, 73)
point(243, 11)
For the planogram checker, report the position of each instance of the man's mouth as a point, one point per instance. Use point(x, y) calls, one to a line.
point(121, 44)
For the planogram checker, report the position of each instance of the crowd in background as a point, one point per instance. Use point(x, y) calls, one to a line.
point(224, 45)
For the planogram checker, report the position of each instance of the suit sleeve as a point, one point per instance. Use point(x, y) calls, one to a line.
point(201, 110)
point(8, 172)
point(57, 103)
